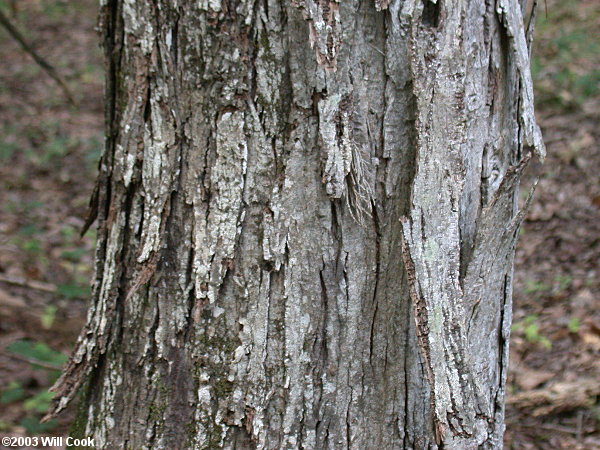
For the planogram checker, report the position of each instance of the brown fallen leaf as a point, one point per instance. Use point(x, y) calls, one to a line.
point(527, 378)
point(591, 339)
point(559, 397)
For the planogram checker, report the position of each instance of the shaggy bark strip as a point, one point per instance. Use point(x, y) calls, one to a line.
point(306, 225)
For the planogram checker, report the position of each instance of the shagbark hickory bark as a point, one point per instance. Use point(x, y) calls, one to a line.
point(306, 224)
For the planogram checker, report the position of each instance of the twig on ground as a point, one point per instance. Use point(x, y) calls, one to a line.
point(16, 34)
point(32, 284)
point(547, 426)
point(43, 364)
point(579, 431)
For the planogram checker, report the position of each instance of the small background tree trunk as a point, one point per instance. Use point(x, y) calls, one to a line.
point(307, 221)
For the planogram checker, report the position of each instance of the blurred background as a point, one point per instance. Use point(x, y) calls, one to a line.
point(49, 150)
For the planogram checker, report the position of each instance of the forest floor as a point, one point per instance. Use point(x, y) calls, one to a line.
point(49, 151)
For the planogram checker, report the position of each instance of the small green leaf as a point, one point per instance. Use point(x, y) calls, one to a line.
point(574, 324)
point(37, 351)
point(39, 402)
point(30, 230)
point(68, 232)
point(32, 205)
point(32, 246)
point(7, 150)
point(71, 290)
point(33, 425)
point(564, 282)
point(74, 255)
point(48, 316)
point(12, 393)
point(533, 286)
point(532, 332)
point(545, 342)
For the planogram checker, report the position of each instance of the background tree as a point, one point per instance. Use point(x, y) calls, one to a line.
point(306, 224)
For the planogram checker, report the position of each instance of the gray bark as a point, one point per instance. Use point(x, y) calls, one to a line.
point(306, 218)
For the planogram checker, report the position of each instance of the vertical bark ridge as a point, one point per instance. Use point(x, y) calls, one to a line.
point(443, 249)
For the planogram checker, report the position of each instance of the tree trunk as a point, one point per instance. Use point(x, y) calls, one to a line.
point(306, 224)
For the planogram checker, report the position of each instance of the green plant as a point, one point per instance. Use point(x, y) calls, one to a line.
point(534, 286)
point(36, 403)
point(73, 290)
point(574, 324)
point(7, 150)
point(27, 241)
point(93, 151)
point(565, 61)
point(48, 316)
point(74, 255)
point(32, 205)
point(563, 282)
point(37, 351)
point(13, 392)
point(33, 246)
point(33, 425)
point(52, 152)
point(30, 230)
point(8, 146)
point(68, 232)
point(39, 402)
point(55, 10)
point(530, 329)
